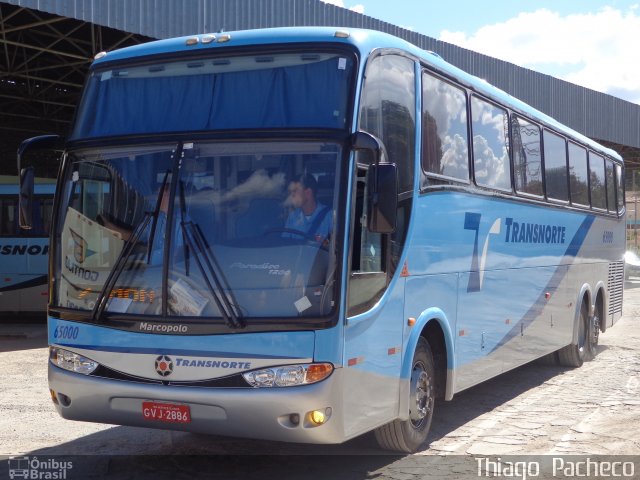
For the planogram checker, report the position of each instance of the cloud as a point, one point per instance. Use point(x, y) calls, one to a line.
point(359, 8)
point(489, 168)
point(597, 50)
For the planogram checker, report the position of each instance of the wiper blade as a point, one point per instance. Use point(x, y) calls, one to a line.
point(125, 253)
point(127, 249)
point(196, 242)
point(183, 216)
point(156, 215)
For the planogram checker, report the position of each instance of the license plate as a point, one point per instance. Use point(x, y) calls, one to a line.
point(166, 412)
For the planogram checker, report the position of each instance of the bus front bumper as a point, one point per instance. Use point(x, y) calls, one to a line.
point(260, 413)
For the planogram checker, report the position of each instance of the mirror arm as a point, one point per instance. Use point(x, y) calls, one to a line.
point(42, 142)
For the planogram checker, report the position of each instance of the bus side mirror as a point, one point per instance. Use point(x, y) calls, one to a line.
point(25, 200)
point(382, 197)
point(382, 185)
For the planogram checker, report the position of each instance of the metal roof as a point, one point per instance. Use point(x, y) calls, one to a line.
point(596, 115)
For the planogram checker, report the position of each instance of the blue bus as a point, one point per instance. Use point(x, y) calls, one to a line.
point(24, 253)
point(306, 234)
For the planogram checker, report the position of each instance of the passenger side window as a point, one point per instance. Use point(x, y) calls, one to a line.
point(555, 166)
point(527, 157)
point(611, 189)
point(597, 181)
point(444, 129)
point(8, 216)
point(620, 187)
point(41, 217)
point(490, 125)
point(578, 175)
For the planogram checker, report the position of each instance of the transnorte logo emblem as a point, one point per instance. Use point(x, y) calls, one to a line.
point(164, 365)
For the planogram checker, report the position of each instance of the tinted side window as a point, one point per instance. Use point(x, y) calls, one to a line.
point(490, 145)
point(620, 187)
point(597, 181)
point(527, 157)
point(445, 148)
point(42, 211)
point(555, 166)
point(47, 214)
point(388, 111)
point(578, 175)
point(611, 189)
point(8, 216)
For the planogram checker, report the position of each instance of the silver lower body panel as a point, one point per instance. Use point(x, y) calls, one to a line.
point(260, 413)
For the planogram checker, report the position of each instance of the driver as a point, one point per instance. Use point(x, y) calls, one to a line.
point(310, 217)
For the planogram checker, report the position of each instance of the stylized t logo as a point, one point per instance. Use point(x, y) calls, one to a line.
point(472, 222)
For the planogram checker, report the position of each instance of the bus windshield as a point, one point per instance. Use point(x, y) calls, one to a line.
point(230, 230)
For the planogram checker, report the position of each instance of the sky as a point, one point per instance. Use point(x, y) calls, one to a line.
point(595, 44)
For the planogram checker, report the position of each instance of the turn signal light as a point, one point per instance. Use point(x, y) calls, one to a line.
point(318, 371)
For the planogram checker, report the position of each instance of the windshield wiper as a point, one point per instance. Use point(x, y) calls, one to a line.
point(156, 214)
point(127, 248)
point(199, 245)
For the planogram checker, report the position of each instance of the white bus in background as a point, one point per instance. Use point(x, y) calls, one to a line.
point(24, 254)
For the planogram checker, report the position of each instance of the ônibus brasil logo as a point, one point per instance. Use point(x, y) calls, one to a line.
point(164, 365)
point(33, 467)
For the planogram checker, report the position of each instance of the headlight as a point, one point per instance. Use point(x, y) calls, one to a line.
point(71, 361)
point(289, 375)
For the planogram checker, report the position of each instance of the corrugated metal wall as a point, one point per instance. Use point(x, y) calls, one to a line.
point(592, 113)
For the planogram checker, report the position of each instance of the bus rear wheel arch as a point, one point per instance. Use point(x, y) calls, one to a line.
point(408, 435)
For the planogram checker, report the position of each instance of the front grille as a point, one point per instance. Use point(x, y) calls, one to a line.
point(615, 287)
point(232, 381)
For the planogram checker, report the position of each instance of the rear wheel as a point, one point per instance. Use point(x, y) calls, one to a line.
point(409, 435)
point(593, 333)
point(575, 354)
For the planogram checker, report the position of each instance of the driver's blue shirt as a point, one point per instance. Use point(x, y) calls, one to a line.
point(297, 220)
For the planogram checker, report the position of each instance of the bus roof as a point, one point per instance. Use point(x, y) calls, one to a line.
point(365, 41)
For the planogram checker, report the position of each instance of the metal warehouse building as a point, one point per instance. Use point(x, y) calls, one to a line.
point(47, 46)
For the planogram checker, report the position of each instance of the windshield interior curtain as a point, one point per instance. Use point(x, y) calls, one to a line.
point(311, 95)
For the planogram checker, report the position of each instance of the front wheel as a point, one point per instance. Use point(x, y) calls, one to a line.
point(409, 435)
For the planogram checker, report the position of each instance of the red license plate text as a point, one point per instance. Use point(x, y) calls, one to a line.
point(166, 412)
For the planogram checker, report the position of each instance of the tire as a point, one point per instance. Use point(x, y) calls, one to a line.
point(408, 435)
point(574, 355)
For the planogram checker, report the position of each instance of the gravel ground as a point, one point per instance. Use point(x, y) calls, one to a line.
point(536, 409)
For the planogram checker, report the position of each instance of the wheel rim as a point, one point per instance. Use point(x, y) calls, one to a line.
point(596, 331)
point(421, 401)
point(582, 334)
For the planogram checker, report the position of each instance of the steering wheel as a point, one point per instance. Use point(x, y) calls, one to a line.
point(292, 231)
point(307, 236)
